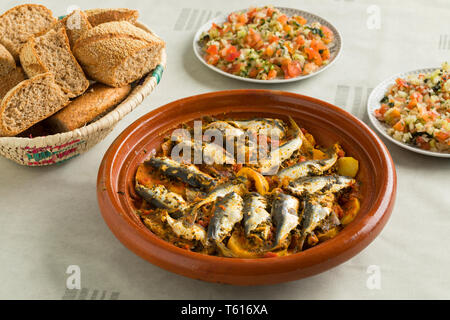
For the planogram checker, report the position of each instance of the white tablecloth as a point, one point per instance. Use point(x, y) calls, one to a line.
point(49, 218)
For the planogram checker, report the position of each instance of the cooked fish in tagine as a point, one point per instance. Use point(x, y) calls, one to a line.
point(293, 195)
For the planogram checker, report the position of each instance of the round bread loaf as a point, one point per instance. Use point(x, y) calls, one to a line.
point(117, 53)
point(93, 104)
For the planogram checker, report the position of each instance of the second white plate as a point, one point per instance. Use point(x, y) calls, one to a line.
point(374, 103)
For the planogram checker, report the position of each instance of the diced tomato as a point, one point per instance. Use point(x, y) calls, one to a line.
point(259, 45)
point(300, 20)
point(232, 17)
point(285, 61)
point(326, 54)
point(212, 59)
point(253, 38)
point(212, 49)
point(442, 136)
point(272, 74)
point(287, 28)
point(292, 70)
point(283, 19)
point(328, 34)
point(412, 103)
point(289, 47)
point(401, 82)
point(243, 18)
point(226, 27)
point(418, 96)
point(253, 73)
point(422, 143)
point(273, 39)
point(383, 109)
point(318, 45)
point(215, 26)
point(399, 126)
point(309, 67)
point(270, 12)
point(300, 40)
point(235, 68)
point(269, 51)
point(232, 53)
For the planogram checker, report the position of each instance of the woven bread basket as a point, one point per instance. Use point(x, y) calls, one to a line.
point(52, 149)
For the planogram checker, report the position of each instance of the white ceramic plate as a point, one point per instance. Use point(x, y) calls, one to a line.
point(374, 103)
point(335, 46)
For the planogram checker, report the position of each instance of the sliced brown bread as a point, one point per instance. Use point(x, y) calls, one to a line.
point(7, 62)
point(30, 102)
point(51, 52)
point(76, 24)
point(99, 16)
point(21, 22)
point(93, 104)
point(118, 53)
point(10, 80)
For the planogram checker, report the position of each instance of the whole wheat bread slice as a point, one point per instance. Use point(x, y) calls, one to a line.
point(30, 102)
point(99, 16)
point(51, 52)
point(10, 80)
point(118, 53)
point(21, 22)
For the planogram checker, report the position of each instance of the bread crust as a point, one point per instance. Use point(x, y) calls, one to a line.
point(94, 103)
point(105, 48)
point(7, 62)
point(99, 16)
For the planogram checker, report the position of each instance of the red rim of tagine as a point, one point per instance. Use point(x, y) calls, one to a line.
point(326, 122)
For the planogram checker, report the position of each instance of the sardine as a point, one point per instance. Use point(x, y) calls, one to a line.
point(255, 214)
point(228, 212)
point(237, 186)
point(272, 128)
point(196, 232)
point(270, 164)
point(315, 210)
point(285, 215)
point(189, 174)
point(306, 168)
point(225, 128)
point(319, 184)
point(212, 153)
point(161, 197)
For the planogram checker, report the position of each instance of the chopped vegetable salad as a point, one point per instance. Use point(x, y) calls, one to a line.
point(263, 43)
point(417, 110)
